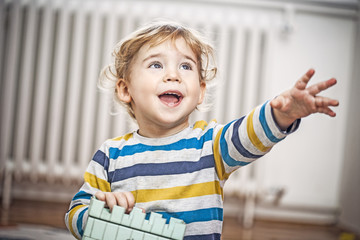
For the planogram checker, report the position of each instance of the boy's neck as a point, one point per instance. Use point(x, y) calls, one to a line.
point(156, 132)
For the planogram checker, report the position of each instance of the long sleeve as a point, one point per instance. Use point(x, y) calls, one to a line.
point(246, 139)
point(95, 179)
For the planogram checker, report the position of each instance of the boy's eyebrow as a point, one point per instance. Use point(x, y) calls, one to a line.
point(152, 56)
point(159, 55)
point(190, 58)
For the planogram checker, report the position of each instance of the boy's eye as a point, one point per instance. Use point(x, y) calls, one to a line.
point(155, 65)
point(185, 66)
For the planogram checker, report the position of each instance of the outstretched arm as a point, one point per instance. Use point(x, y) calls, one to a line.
point(301, 101)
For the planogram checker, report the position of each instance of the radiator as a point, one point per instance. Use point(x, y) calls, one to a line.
point(53, 118)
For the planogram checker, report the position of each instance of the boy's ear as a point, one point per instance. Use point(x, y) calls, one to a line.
point(202, 92)
point(122, 91)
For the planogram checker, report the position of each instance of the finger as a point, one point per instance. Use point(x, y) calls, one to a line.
point(325, 102)
point(303, 81)
point(100, 196)
point(331, 113)
point(319, 87)
point(327, 111)
point(121, 200)
point(110, 200)
point(277, 102)
point(130, 200)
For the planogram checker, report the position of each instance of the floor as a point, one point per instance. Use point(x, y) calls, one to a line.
point(267, 230)
point(52, 215)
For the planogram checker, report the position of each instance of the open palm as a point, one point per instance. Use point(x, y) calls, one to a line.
point(301, 101)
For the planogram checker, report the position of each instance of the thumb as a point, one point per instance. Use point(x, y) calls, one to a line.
point(276, 103)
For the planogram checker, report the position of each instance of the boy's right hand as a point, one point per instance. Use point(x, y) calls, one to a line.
point(123, 199)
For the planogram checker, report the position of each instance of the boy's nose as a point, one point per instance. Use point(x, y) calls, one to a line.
point(172, 77)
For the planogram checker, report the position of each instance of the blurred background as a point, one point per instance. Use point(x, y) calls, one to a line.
point(53, 118)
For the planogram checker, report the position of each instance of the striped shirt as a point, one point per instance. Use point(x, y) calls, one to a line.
point(180, 176)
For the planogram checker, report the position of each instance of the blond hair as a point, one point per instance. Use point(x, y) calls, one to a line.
point(155, 34)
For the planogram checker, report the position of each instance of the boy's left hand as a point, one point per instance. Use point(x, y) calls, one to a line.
point(301, 101)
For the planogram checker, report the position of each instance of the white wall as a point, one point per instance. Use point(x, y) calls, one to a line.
point(309, 164)
point(350, 179)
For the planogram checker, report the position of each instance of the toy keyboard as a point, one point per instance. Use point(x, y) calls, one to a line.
point(117, 225)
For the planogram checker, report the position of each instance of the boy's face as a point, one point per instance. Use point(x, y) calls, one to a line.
point(164, 88)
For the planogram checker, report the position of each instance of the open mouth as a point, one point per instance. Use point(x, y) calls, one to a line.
point(171, 98)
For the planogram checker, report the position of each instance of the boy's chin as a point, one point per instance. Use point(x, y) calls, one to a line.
point(174, 123)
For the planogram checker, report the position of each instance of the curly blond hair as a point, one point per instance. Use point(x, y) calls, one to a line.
point(154, 34)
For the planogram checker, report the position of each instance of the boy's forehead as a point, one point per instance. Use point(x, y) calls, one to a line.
point(179, 45)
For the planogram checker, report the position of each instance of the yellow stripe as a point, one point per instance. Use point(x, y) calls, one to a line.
point(71, 216)
point(125, 137)
point(220, 169)
point(194, 190)
point(200, 124)
point(252, 135)
point(96, 182)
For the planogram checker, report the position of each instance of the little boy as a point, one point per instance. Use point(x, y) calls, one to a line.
point(169, 166)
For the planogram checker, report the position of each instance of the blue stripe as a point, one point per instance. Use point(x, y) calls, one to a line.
point(101, 158)
point(266, 127)
point(214, 236)
point(73, 206)
point(79, 222)
point(225, 150)
point(237, 143)
point(190, 143)
point(201, 215)
point(82, 195)
point(155, 169)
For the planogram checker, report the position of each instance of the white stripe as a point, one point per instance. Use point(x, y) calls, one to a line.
point(271, 123)
point(229, 169)
point(89, 189)
point(160, 156)
point(259, 131)
point(115, 143)
point(85, 218)
point(233, 152)
point(222, 182)
point(74, 221)
point(182, 205)
point(97, 170)
point(81, 201)
point(245, 140)
point(198, 228)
